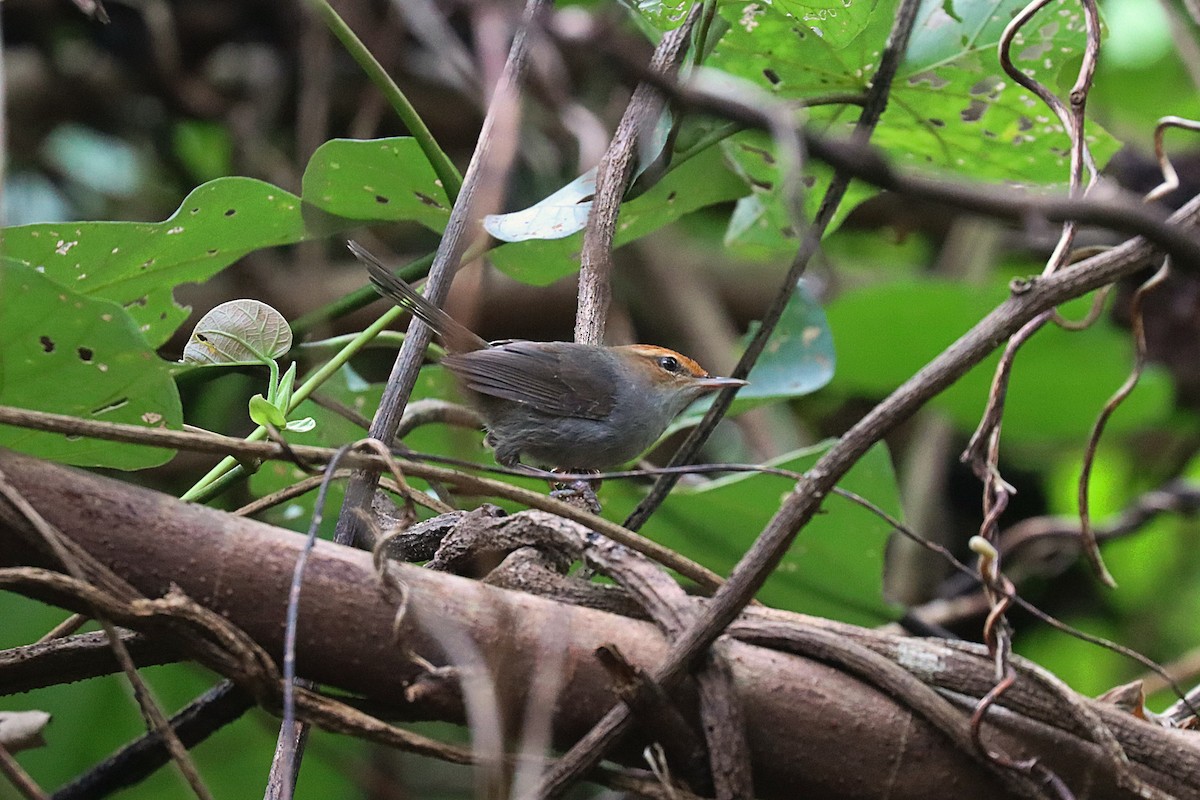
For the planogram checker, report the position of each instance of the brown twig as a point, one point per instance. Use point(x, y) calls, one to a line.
point(612, 178)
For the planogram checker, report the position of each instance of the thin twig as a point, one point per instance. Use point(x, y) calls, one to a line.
point(612, 178)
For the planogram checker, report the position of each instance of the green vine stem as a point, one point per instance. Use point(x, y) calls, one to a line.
point(442, 165)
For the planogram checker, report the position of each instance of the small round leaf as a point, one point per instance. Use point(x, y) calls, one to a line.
point(239, 332)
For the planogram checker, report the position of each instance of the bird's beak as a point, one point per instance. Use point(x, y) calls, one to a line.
point(712, 384)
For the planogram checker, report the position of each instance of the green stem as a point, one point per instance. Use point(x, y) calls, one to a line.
point(360, 298)
point(229, 469)
point(442, 165)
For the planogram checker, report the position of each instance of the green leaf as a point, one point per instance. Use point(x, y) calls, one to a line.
point(761, 227)
point(1061, 380)
point(664, 15)
point(834, 568)
point(378, 180)
point(287, 384)
point(837, 22)
point(951, 108)
point(699, 182)
point(65, 353)
point(954, 109)
point(262, 412)
point(205, 148)
point(136, 264)
point(798, 360)
point(239, 332)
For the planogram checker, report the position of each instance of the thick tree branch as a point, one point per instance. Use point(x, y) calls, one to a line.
point(152, 540)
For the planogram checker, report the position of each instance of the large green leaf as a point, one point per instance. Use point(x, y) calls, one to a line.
point(1061, 379)
point(951, 109)
point(384, 180)
point(68, 354)
point(834, 568)
point(137, 264)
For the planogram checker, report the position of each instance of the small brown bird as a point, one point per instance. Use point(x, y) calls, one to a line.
point(562, 404)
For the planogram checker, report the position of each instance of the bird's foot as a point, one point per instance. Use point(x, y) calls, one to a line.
point(581, 493)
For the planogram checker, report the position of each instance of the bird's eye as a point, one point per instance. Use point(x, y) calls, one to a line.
point(669, 363)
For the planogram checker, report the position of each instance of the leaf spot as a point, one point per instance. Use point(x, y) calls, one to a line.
point(86, 354)
point(47, 344)
point(64, 247)
point(427, 200)
point(175, 230)
point(152, 418)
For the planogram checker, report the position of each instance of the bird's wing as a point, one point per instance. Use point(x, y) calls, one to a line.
point(550, 378)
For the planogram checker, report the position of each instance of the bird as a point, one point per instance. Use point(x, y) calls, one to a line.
point(564, 405)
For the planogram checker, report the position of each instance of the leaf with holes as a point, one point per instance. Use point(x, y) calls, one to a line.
point(837, 22)
point(66, 353)
point(137, 264)
point(239, 332)
point(951, 107)
point(384, 180)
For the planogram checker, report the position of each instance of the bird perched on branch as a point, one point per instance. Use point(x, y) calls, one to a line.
point(561, 404)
